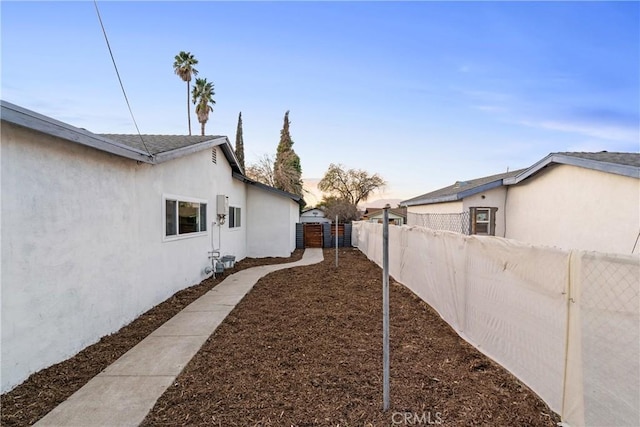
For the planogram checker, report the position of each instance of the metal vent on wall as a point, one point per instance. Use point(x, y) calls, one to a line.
point(214, 155)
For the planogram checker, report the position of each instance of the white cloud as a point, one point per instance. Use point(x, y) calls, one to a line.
point(490, 108)
point(615, 132)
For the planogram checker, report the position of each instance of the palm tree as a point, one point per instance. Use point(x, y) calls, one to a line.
point(202, 96)
point(183, 67)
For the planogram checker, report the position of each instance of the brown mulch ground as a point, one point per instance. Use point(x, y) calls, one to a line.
point(303, 348)
point(46, 389)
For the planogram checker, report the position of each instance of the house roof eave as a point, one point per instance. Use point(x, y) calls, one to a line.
point(28, 119)
point(230, 154)
point(460, 195)
point(268, 188)
point(430, 201)
point(564, 159)
point(189, 149)
point(480, 189)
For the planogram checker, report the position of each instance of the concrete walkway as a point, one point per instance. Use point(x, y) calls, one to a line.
point(124, 393)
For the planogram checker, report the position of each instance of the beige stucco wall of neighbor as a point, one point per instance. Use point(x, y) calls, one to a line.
point(83, 247)
point(271, 224)
point(575, 208)
point(493, 198)
point(448, 207)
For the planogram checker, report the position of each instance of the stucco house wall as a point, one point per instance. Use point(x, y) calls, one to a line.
point(573, 207)
point(232, 241)
point(271, 227)
point(435, 208)
point(494, 198)
point(83, 243)
point(83, 247)
point(448, 207)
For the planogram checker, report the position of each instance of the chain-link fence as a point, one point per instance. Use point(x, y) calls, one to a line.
point(604, 337)
point(456, 222)
point(566, 323)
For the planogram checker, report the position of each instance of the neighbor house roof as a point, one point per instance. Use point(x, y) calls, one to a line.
point(627, 164)
point(461, 189)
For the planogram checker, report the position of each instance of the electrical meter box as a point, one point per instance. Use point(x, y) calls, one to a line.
point(222, 204)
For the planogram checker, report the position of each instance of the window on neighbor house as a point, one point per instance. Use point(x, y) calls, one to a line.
point(234, 217)
point(184, 217)
point(483, 221)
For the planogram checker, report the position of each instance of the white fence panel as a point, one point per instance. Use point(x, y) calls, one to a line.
point(512, 301)
point(604, 341)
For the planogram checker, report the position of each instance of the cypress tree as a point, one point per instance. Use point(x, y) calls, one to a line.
point(240, 142)
point(287, 169)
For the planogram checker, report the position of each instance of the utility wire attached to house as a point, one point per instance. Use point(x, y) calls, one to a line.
point(119, 79)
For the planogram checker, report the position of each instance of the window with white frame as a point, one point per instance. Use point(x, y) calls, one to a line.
point(184, 216)
point(234, 217)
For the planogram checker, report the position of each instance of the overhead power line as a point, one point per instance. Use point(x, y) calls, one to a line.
point(119, 79)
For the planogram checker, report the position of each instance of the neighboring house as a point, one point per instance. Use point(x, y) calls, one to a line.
point(588, 201)
point(397, 216)
point(97, 229)
point(314, 215)
point(450, 208)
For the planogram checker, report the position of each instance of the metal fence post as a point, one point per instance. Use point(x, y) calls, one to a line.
point(385, 309)
point(336, 241)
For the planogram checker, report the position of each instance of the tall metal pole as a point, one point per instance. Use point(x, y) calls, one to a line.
point(385, 309)
point(336, 241)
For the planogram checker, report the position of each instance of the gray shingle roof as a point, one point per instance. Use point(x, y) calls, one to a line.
point(159, 143)
point(629, 159)
point(626, 164)
point(461, 189)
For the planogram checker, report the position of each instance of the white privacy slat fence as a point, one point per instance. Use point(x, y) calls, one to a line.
point(567, 324)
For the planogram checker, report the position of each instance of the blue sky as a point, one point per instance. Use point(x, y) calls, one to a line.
point(423, 93)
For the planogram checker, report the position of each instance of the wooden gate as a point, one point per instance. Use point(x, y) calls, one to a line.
point(313, 235)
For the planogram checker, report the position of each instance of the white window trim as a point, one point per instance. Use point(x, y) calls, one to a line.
point(241, 219)
point(166, 238)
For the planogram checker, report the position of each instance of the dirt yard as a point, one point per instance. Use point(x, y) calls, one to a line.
point(303, 348)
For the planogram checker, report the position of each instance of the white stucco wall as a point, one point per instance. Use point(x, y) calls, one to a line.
point(232, 241)
point(575, 208)
point(83, 251)
point(271, 224)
